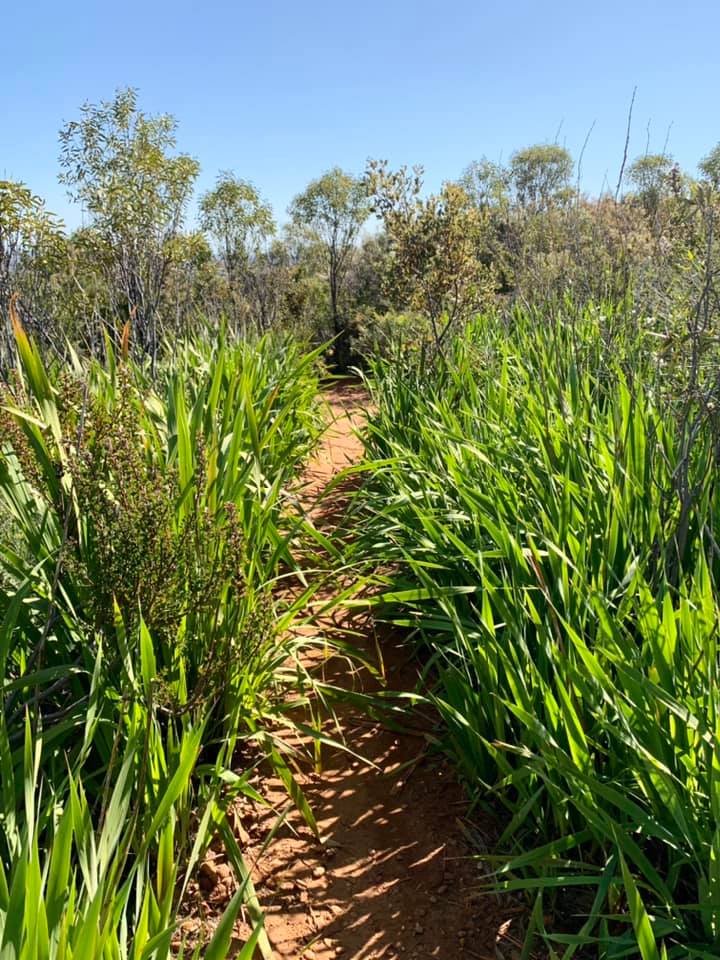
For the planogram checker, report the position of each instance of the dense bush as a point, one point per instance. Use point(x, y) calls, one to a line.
point(525, 494)
point(143, 526)
point(524, 233)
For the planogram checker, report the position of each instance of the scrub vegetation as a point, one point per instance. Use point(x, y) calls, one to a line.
point(537, 513)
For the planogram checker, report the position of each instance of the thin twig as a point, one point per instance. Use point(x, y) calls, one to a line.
point(627, 146)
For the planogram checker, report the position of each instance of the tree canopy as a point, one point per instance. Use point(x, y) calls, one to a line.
point(121, 165)
point(332, 209)
point(540, 174)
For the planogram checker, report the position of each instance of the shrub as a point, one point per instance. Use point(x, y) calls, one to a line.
point(525, 495)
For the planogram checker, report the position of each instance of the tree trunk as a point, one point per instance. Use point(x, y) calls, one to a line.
point(341, 347)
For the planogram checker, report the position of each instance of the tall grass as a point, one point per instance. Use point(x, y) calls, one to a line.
point(524, 495)
point(144, 525)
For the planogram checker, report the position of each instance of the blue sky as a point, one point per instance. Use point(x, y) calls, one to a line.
point(280, 91)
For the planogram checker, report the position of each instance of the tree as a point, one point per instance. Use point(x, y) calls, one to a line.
point(241, 224)
point(651, 175)
point(365, 281)
point(333, 208)
point(709, 167)
point(118, 162)
point(434, 247)
point(31, 241)
point(486, 184)
point(194, 286)
point(540, 175)
point(237, 219)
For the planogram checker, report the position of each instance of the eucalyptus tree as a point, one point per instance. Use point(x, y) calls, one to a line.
point(241, 224)
point(486, 183)
point(31, 241)
point(709, 167)
point(651, 176)
point(540, 175)
point(332, 209)
point(121, 165)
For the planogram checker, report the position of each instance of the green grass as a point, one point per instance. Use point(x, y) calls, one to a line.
point(524, 494)
point(523, 497)
point(144, 526)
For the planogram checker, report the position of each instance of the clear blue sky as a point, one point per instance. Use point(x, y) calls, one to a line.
point(280, 91)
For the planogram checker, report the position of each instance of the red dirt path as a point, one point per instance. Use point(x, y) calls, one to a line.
point(395, 877)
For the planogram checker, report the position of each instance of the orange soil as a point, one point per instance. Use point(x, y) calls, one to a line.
point(395, 877)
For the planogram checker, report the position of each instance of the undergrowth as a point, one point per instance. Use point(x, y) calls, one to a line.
point(144, 524)
point(562, 587)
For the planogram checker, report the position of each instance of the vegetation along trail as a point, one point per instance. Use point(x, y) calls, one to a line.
point(394, 877)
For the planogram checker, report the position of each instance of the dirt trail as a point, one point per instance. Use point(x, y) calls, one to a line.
point(394, 877)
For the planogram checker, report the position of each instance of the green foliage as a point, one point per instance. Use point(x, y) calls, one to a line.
point(526, 495)
point(144, 526)
point(332, 209)
point(390, 334)
point(434, 245)
point(72, 890)
point(31, 245)
point(242, 225)
point(540, 175)
point(709, 166)
point(521, 233)
point(543, 494)
point(651, 176)
point(118, 163)
point(24, 222)
point(486, 183)
point(236, 218)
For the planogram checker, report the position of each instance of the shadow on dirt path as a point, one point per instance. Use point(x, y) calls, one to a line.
point(394, 877)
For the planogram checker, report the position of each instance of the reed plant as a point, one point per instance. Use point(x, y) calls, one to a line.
point(147, 665)
point(522, 496)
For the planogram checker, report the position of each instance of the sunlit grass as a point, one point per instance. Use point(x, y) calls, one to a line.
point(524, 494)
point(144, 526)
